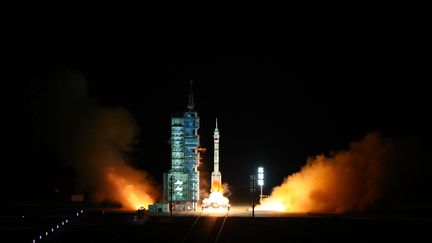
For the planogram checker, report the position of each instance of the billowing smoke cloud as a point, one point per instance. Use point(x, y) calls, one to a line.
point(345, 181)
point(101, 148)
point(226, 189)
point(96, 142)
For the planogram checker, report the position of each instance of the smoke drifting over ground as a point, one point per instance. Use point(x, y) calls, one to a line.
point(95, 141)
point(345, 181)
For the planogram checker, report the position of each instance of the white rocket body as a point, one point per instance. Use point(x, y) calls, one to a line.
point(216, 176)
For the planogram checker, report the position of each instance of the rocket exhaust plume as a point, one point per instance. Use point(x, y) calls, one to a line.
point(346, 181)
point(96, 141)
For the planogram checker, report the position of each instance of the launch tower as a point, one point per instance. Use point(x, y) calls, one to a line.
point(181, 183)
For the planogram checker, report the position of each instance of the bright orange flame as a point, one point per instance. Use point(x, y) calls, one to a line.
point(216, 186)
point(130, 188)
point(272, 205)
point(346, 181)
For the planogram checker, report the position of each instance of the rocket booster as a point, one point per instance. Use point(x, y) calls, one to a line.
point(216, 149)
point(216, 176)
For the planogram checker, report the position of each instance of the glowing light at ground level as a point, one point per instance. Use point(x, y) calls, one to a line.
point(216, 202)
point(215, 210)
point(132, 194)
point(272, 206)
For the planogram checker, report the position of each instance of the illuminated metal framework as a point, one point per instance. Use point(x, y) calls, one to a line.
point(184, 160)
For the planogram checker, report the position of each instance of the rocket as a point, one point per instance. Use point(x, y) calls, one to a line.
point(216, 176)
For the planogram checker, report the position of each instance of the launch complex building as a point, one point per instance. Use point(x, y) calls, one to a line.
point(181, 183)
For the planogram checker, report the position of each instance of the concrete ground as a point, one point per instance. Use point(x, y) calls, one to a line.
point(99, 225)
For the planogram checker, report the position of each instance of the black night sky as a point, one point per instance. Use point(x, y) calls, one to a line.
point(274, 108)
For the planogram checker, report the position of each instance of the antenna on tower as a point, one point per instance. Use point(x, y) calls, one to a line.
point(191, 102)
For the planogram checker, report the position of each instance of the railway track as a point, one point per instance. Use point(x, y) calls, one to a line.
point(206, 229)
